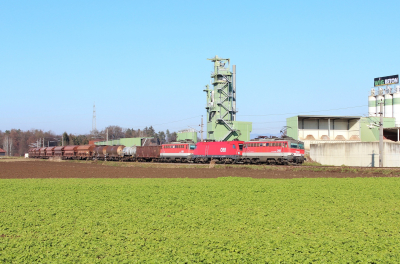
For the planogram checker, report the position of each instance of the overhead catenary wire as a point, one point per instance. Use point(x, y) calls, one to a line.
point(173, 121)
point(309, 111)
point(199, 116)
point(315, 111)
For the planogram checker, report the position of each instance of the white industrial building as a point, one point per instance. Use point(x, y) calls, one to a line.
point(390, 97)
point(311, 127)
point(353, 140)
point(315, 129)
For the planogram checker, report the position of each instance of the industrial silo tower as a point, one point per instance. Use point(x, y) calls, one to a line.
point(221, 105)
point(396, 105)
point(390, 96)
point(372, 104)
point(388, 102)
point(380, 98)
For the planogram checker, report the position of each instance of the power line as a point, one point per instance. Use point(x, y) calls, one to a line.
point(174, 121)
point(269, 122)
point(309, 111)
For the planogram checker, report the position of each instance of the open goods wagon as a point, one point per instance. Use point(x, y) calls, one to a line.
point(49, 152)
point(85, 152)
point(32, 152)
point(42, 153)
point(148, 153)
point(70, 152)
point(59, 151)
point(35, 152)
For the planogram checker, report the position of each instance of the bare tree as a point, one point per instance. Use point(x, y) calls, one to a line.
point(6, 144)
point(11, 144)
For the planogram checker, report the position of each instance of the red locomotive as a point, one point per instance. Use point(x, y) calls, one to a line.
point(177, 152)
point(273, 151)
point(223, 151)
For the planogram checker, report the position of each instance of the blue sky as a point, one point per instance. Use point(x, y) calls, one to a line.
point(144, 62)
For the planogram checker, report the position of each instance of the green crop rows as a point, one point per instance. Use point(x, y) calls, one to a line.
point(200, 220)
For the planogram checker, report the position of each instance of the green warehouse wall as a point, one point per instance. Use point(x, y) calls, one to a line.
point(128, 142)
point(181, 136)
point(370, 135)
point(293, 125)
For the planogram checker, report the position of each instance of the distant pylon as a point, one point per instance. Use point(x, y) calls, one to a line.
point(94, 129)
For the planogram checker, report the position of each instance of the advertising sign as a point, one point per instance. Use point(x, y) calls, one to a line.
point(386, 80)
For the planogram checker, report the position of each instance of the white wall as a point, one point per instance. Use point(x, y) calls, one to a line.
point(308, 143)
point(363, 154)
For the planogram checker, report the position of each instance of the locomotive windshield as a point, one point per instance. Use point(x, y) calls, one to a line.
point(192, 146)
point(297, 146)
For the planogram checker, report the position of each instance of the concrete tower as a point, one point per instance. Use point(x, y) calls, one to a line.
point(221, 105)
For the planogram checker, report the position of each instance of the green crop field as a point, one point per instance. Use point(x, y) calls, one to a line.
point(200, 220)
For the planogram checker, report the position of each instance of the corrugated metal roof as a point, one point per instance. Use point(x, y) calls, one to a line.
point(391, 128)
point(2, 150)
point(328, 116)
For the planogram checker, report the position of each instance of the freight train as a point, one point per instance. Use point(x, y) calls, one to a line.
point(281, 151)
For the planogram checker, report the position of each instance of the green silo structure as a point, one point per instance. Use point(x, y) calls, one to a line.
point(221, 105)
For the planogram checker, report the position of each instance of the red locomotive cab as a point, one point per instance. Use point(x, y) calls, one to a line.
point(296, 148)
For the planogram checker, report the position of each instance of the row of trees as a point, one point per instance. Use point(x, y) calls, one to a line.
point(115, 132)
point(17, 142)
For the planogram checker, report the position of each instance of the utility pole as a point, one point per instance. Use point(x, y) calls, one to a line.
point(381, 134)
point(201, 130)
point(94, 128)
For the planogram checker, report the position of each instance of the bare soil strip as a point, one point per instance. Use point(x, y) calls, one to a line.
point(46, 169)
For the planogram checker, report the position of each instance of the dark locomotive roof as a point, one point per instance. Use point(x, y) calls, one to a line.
point(265, 138)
